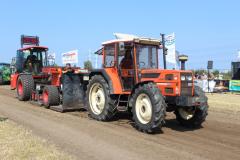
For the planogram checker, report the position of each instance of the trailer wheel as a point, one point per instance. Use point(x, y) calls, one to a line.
point(51, 96)
point(99, 102)
point(193, 116)
point(25, 85)
point(148, 108)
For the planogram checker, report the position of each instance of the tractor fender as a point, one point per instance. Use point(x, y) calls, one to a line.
point(133, 91)
point(140, 84)
point(103, 73)
point(14, 79)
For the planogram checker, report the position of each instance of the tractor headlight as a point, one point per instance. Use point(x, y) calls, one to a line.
point(189, 78)
point(183, 78)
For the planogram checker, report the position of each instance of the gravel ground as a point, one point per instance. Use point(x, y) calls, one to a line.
point(75, 133)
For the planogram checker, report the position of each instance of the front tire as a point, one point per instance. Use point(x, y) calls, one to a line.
point(99, 102)
point(194, 116)
point(25, 85)
point(148, 108)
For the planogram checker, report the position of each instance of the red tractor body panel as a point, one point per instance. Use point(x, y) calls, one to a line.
point(168, 81)
point(55, 72)
point(13, 82)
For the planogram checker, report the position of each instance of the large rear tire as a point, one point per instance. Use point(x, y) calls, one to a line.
point(25, 85)
point(148, 108)
point(51, 96)
point(100, 105)
point(194, 116)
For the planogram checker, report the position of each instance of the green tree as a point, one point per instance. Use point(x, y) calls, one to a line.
point(6, 72)
point(199, 71)
point(216, 72)
point(88, 65)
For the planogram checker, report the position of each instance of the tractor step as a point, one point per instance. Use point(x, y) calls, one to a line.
point(122, 108)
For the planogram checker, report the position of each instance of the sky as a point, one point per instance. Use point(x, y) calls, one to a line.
point(205, 30)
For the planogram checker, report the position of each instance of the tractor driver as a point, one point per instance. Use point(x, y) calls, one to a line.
point(127, 61)
point(29, 62)
point(126, 65)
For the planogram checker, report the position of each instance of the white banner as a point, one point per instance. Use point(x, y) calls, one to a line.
point(70, 57)
point(170, 45)
point(51, 58)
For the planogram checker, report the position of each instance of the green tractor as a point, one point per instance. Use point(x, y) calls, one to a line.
point(5, 73)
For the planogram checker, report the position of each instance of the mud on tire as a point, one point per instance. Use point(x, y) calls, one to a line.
point(51, 96)
point(199, 113)
point(100, 104)
point(155, 107)
point(25, 85)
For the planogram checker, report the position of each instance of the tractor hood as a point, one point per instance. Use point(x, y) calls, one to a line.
point(161, 75)
point(170, 82)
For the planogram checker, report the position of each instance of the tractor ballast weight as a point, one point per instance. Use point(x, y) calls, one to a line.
point(73, 95)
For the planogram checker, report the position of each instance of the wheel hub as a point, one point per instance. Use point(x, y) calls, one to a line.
point(186, 113)
point(143, 108)
point(97, 98)
point(45, 97)
point(20, 88)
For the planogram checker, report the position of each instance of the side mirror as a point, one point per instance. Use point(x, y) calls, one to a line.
point(13, 65)
point(13, 62)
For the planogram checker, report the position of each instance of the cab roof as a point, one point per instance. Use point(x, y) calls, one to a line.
point(33, 47)
point(148, 41)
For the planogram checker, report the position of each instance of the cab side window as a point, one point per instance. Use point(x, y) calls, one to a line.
point(109, 51)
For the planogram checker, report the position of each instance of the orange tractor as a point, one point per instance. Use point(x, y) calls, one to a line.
point(129, 80)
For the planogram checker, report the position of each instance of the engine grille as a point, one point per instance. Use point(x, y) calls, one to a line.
point(186, 85)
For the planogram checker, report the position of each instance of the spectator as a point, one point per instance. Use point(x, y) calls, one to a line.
point(68, 68)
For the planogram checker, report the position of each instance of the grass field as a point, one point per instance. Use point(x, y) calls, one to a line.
point(17, 143)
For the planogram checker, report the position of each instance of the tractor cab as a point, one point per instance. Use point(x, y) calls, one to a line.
point(31, 59)
point(129, 58)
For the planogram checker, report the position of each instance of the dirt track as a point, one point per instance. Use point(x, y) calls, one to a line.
point(219, 138)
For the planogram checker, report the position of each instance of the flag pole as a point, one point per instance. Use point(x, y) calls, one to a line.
point(164, 51)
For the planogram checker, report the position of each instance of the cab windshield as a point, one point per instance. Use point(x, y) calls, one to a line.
point(147, 57)
point(41, 55)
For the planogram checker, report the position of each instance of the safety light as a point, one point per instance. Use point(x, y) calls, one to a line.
point(189, 78)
